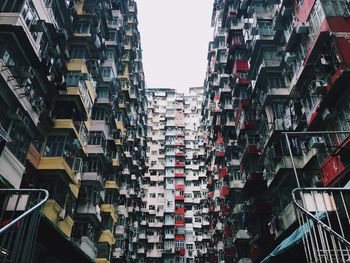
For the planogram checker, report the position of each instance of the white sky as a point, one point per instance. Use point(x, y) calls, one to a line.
point(174, 36)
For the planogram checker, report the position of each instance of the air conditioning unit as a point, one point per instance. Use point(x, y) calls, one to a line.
point(289, 57)
point(302, 27)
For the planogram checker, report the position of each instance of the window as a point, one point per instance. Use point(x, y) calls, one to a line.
point(336, 8)
point(107, 72)
point(110, 54)
point(97, 138)
point(179, 217)
point(7, 58)
point(168, 245)
point(92, 165)
point(197, 219)
point(113, 36)
point(113, 21)
point(30, 16)
point(78, 52)
point(100, 114)
point(265, 28)
point(188, 220)
point(179, 244)
point(73, 79)
point(103, 93)
point(54, 146)
point(82, 27)
point(159, 245)
point(276, 81)
point(20, 144)
point(189, 246)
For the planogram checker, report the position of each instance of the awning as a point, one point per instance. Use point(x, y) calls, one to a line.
point(4, 135)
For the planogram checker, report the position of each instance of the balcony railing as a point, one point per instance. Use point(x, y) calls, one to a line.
point(19, 219)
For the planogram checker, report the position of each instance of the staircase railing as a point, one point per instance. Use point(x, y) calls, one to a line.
point(19, 222)
point(323, 214)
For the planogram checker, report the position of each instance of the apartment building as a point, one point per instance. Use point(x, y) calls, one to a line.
point(273, 67)
point(72, 121)
point(175, 185)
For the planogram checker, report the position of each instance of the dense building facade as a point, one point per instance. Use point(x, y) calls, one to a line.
point(72, 121)
point(175, 186)
point(273, 66)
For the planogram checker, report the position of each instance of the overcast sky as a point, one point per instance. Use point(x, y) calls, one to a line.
point(174, 38)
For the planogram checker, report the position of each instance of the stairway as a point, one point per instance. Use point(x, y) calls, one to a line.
point(19, 222)
point(324, 215)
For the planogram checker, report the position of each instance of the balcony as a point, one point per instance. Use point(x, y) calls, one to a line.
point(287, 217)
point(58, 166)
point(225, 191)
point(92, 177)
point(11, 168)
point(107, 208)
point(154, 253)
point(241, 234)
point(179, 175)
point(89, 208)
point(243, 103)
point(169, 250)
point(111, 185)
point(78, 128)
point(141, 250)
point(153, 238)
point(107, 237)
point(331, 168)
point(223, 172)
point(179, 197)
point(181, 251)
point(179, 223)
point(120, 231)
point(240, 66)
point(52, 211)
point(225, 210)
point(88, 247)
point(116, 161)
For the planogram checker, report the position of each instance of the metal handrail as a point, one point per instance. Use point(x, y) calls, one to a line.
point(29, 211)
point(314, 218)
